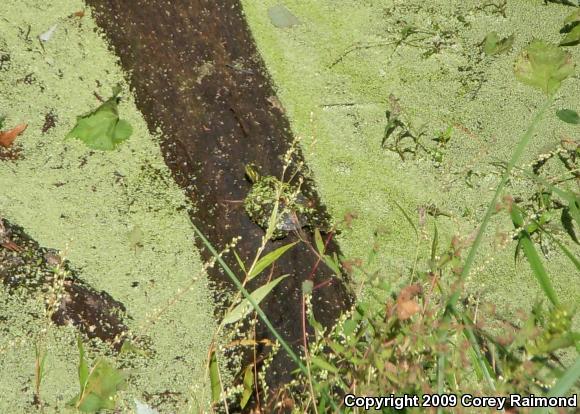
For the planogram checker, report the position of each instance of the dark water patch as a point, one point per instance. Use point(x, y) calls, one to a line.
point(197, 75)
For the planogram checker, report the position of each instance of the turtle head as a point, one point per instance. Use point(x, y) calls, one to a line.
point(252, 172)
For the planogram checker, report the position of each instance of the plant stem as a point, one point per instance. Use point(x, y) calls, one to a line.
point(247, 295)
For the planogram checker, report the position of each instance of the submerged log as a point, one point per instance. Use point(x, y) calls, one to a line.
point(24, 265)
point(197, 75)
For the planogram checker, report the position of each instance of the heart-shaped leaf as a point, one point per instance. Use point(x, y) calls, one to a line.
point(543, 66)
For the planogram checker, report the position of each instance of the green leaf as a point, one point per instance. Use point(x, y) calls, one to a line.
point(569, 116)
point(533, 258)
point(573, 17)
point(267, 260)
point(319, 242)
point(543, 66)
point(240, 311)
point(323, 364)
point(102, 383)
point(493, 45)
point(332, 263)
point(307, 287)
point(83, 367)
point(566, 2)
point(102, 129)
point(240, 262)
point(248, 385)
point(572, 38)
point(214, 376)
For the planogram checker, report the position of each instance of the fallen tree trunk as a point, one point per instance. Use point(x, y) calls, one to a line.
point(196, 74)
point(24, 265)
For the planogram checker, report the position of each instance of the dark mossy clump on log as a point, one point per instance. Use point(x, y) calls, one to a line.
point(25, 266)
point(197, 75)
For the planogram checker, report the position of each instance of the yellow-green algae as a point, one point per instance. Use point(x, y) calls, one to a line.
point(342, 143)
point(86, 203)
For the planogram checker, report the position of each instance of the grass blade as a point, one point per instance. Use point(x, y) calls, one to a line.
point(522, 144)
point(562, 247)
point(408, 218)
point(532, 255)
point(564, 384)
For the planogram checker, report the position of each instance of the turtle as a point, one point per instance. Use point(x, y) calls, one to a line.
point(294, 210)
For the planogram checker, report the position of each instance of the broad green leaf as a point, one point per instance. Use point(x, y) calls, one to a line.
point(323, 364)
point(569, 116)
point(248, 385)
point(267, 260)
point(543, 66)
point(572, 38)
point(214, 377)
point(493, 45)
point(103, 382)
point(240, 311)
point(102, 129)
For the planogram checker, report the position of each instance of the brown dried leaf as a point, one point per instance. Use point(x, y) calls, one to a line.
point(8, 137)
point(407, 309)
point(407, 306)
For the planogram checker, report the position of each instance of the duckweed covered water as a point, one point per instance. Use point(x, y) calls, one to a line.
point(117, 216)
point(348, 62)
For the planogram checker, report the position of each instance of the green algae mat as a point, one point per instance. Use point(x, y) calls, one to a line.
point(407, 112)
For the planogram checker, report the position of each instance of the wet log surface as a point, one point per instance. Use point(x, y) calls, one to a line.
point(24, 265)
point(197, 75)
